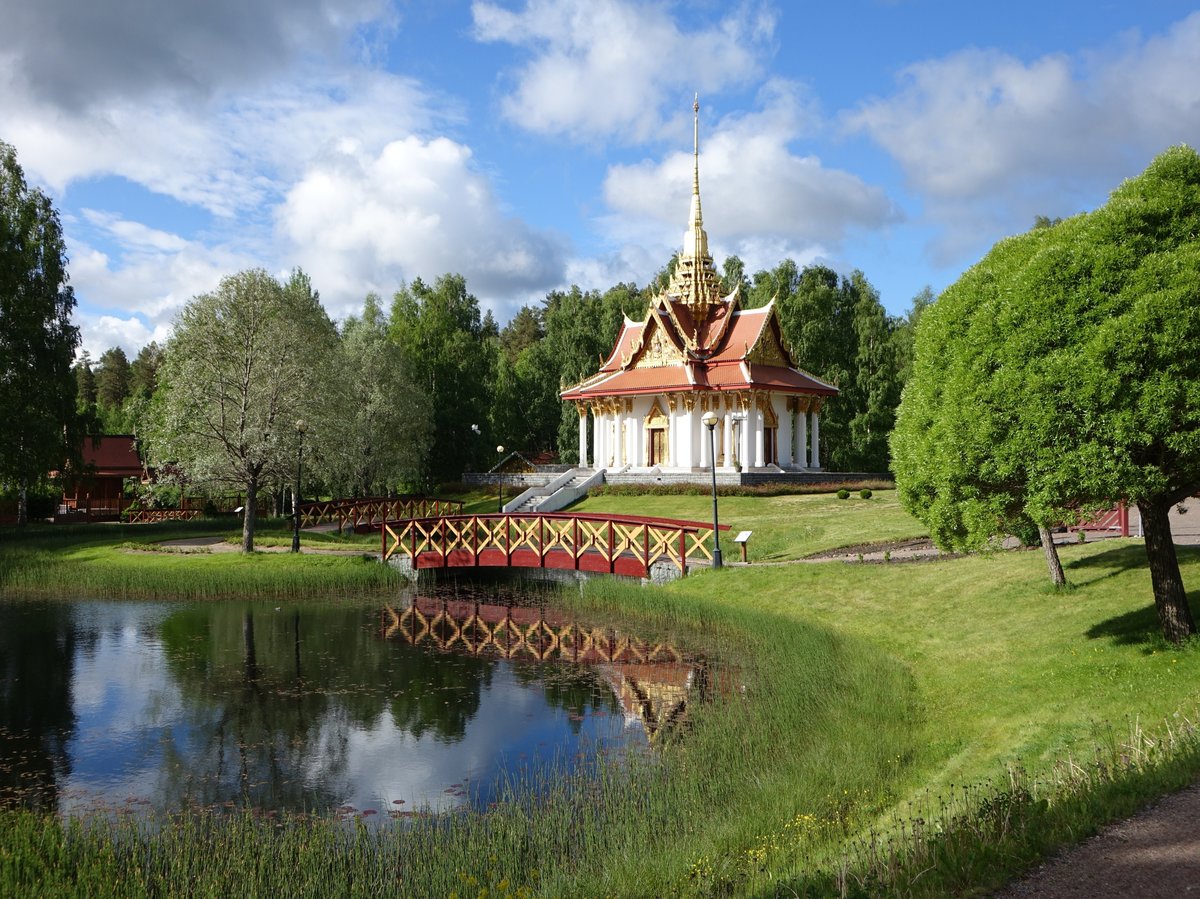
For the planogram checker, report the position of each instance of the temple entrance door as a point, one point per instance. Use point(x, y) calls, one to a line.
point(658, 446)
point(770, 451)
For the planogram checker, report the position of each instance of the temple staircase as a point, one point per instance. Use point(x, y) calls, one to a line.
point(558, 494)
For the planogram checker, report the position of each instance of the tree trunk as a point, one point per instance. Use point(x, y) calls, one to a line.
point(22, 506)
point(1169, 596)
point(249, 514)
point(1052, 560)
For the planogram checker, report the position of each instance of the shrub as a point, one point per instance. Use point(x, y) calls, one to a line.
point(843, 494)
point(865, 493)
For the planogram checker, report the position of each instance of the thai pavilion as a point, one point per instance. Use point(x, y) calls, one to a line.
point(697, 352)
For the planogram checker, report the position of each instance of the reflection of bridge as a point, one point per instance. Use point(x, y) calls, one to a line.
point(615, 544)
point(653, 681)
point(372, 511)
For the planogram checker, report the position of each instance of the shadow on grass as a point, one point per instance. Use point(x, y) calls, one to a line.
point(1137, 628)
point(1110, 563)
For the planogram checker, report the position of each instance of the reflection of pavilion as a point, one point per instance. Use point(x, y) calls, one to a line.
point(654, 682)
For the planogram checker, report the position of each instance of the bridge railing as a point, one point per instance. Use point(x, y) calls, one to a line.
point(628, 545)
point(147, 516)
point(374, 511)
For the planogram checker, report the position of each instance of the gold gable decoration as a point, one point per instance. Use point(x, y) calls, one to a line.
point(656, 418)
point(659, 352)
point(767, 350)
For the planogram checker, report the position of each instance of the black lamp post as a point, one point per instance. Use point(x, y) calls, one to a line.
point(710, 422)
point(301, 427)
point(500, 479)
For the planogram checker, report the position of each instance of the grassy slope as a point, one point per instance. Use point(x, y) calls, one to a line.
point(1006, 668)
point(785, 527)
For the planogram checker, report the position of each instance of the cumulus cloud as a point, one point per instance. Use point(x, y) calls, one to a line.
point(234, 156)
point(71, 55)
point(604, 68)
point(134, 298)
point(985, 138)
point(760, 198)
point(419, 208)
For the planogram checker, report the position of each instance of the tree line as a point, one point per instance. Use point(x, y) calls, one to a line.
point(425, 391)
point(408, 394)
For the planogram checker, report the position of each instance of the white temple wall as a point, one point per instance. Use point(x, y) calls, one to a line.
point(620, 438)
point(783, 432)
point(759, 434)
point(800, 425)
point(727, 441)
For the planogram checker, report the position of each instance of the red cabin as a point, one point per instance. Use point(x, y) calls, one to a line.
point(109, 460)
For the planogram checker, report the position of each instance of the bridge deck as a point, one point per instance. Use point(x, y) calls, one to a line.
point(625, 545)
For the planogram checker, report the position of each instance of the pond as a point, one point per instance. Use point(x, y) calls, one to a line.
point(379, 710)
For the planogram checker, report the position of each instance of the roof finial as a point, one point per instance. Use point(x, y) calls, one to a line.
point(696, 146)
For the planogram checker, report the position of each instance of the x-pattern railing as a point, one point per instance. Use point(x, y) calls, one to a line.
point(148, 516)
point(550, 540)
point(373, 511)
point(540, 640)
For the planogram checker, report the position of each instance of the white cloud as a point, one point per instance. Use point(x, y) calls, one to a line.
point(989, 140)
point(71, 55)
point(134, 299)
point(231, 157)
point(606, 68)
point(361, 221)
point(760, 199)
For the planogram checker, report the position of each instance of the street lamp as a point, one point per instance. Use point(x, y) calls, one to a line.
point(710, 421)
point(500, 478)
point(301, 427)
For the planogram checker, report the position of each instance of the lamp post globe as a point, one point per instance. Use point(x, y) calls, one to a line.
point(709, 419)
point(301, 427)
point(500, 480)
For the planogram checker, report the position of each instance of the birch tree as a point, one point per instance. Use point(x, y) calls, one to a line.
point(37, 338)
point(246, 364)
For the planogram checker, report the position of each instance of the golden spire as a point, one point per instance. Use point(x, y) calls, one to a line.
point(695, 281)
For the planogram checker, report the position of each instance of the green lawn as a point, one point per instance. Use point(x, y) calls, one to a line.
point(111, 560)
point(785, 527)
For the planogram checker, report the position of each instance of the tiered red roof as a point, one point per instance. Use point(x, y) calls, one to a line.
point(719, 355)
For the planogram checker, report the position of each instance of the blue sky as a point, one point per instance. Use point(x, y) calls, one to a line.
point(531, 144)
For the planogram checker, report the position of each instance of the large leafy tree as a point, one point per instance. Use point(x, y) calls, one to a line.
point(1092, 329)
point(581, 328)
point(245, 364)
point(444, 341)
point(37, 338)
point(839, 331)
point(383, 422)
point(964, 465)
point(112, 378)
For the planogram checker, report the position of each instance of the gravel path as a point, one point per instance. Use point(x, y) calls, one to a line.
point(1156, 853)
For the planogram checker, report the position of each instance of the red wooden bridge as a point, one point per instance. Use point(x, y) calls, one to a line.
point(372, 511)
point(614, 544)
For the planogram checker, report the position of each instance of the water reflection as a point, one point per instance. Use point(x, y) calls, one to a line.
point(37, 647)
point(315, 707)
point(653, 681)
